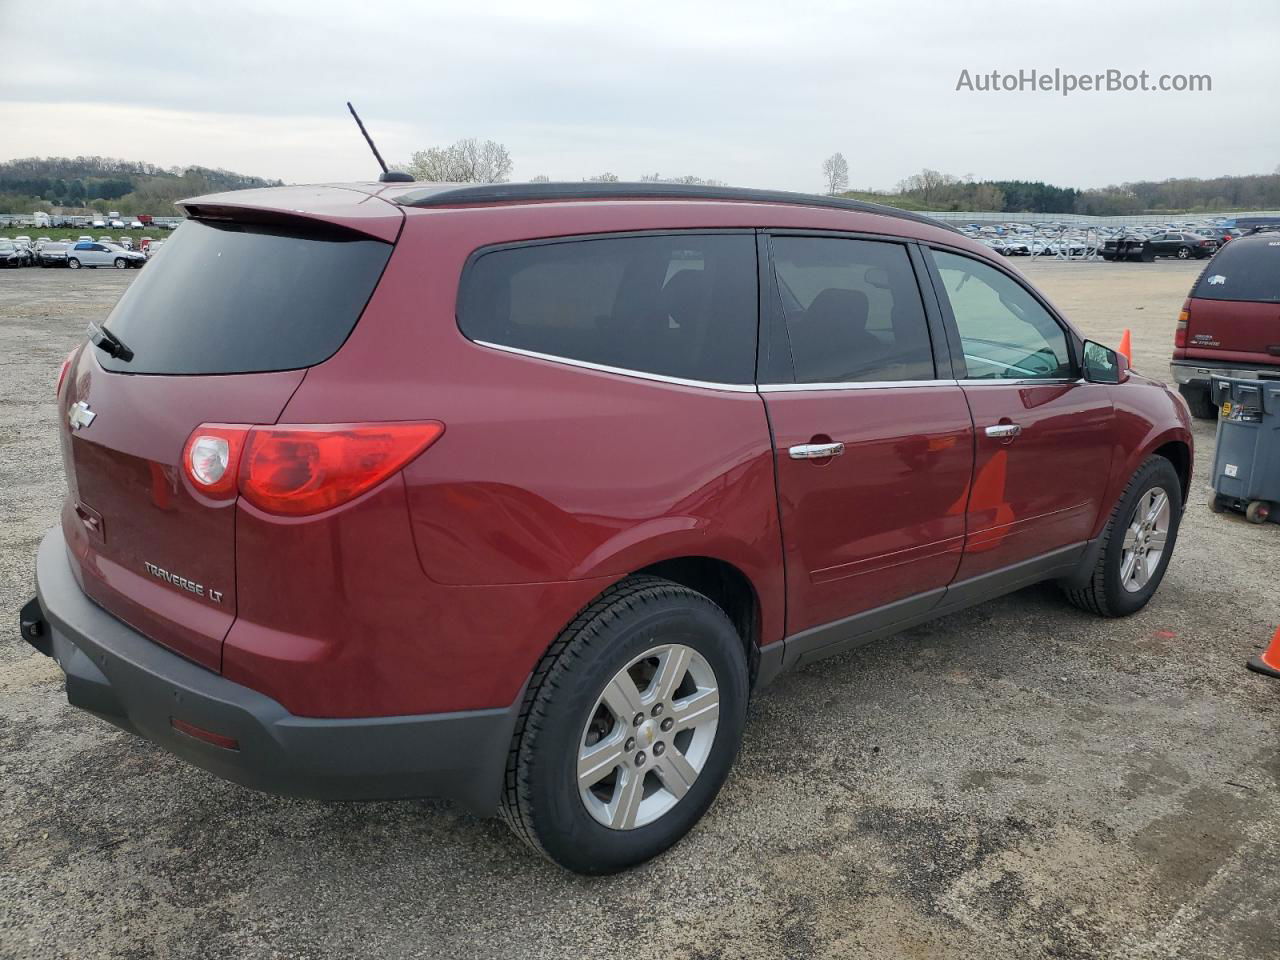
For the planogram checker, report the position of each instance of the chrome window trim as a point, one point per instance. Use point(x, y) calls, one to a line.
point(852, 385)
point(890, 384)
point(620, 371)
point(765, 387)
point(1029, 382)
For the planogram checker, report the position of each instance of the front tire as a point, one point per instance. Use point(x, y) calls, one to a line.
point(73, 264)
point(1137, 543)
point(629, 727)
point(121, 263)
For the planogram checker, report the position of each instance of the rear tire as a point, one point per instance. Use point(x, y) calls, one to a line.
point(1122, 583)
point(1184, 253)
point(1201, 406)
point(1258, 511)
point(551, 801)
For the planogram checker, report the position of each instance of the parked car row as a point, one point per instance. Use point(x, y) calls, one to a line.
point(1180, 244)
point(84, 252)
point(1144, 242)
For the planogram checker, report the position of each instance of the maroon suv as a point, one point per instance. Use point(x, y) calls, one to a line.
point(514, 494)
point(1230, 322)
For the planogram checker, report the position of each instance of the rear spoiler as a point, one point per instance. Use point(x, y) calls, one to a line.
point(334, 208)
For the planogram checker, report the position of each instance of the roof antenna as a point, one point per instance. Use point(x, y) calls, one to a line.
point(387, 176)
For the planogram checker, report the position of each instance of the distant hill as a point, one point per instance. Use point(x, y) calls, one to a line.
point(82, 184)
point(936, 191)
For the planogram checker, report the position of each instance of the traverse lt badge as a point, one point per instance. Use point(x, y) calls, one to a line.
point(80, 415)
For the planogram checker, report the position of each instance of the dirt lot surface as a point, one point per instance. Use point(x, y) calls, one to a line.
point(1020, 780)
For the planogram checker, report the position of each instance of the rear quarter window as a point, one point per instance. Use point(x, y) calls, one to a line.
point(245, 298)
point(676, 305)
point(1243, 270)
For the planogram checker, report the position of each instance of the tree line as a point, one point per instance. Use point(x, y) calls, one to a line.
point(934, 190)
point(133, 187)
point(102, 183)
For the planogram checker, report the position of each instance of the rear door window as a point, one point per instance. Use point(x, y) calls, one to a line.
point(853, 310)
point(1243, 270)
point(678, 305)
point(245, 298)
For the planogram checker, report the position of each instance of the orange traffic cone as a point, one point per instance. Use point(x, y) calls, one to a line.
point(1268, 662)
point(1126, 347)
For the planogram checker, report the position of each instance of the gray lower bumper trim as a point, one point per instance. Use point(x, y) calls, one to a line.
point(121, 676)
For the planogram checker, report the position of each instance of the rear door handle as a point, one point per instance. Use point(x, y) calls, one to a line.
point(1004, 430)
point(815, 451)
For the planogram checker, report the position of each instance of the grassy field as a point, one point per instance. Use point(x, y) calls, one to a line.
point(74, 233)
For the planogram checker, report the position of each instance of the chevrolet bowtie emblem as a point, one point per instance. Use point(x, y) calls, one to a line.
point(80, 415)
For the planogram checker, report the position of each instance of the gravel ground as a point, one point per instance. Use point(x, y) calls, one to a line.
point(1020, 780)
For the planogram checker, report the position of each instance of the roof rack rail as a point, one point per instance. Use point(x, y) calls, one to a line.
point(448, 195)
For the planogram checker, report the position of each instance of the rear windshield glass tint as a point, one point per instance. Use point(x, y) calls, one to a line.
point(1243, 270)
point(679, 305)
point(238, 298)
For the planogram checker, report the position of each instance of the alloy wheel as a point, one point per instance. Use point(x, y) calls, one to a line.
point(1144, 539)
point(648, 737)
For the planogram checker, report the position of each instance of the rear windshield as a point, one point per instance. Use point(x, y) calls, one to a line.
point(1243, 270)
point(240, 298)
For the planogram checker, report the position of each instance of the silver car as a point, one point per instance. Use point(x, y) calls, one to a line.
point(97, 254)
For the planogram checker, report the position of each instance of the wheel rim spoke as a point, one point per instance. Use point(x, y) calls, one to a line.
point(675, 664)
point(622, 697)
point(676, 773)
point(597, 762)
point(626, 801)
point(1158, 503)
point(1127, 567)
point(699, 708)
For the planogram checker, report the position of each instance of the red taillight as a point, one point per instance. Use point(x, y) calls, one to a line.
point(1184, 318)
point(62, 372)
point(300, 469)
point(296, 470)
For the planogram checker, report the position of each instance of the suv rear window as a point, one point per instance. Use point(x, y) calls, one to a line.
point(1243, 270)
point(242, 298)
point(679, 305)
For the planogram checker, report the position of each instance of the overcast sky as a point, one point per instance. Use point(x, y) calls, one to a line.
point(752, 94)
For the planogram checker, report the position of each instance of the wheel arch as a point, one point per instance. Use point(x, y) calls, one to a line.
point(1178, 452)
point(727, 587)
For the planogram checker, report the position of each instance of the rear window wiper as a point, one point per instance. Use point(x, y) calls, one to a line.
point(109, 343)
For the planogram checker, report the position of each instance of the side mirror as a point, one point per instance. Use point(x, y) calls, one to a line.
point(1104, 365)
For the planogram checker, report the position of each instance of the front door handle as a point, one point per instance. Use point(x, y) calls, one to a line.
point(1005, 431)
point(815, 451)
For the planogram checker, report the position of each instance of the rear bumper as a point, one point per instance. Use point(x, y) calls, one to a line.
point(121, 676)
point(1199, 372)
